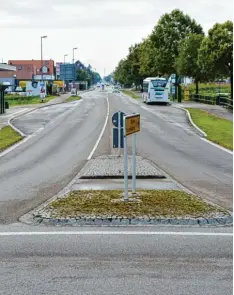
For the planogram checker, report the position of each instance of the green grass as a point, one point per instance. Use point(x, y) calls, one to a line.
point(15, 100)
point(152, 203)
point(73, 98)
point(8, 137)
point(131, 93)
point(217, 129)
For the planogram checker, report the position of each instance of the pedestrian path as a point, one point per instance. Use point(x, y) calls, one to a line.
point(212, 109)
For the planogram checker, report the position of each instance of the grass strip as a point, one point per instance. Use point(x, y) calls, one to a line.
point(25, 100)
point(8, 137)
point(73, 98)
point(218, 130)
point(152, 203)
point(131, 93)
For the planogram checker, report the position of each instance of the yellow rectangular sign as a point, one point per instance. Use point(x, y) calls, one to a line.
point(132, 124)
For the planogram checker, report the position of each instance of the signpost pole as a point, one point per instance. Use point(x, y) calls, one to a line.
point(125, 163)
point(119, 132)
point(134, 163)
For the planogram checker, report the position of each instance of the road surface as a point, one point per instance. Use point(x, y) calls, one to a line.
point(168, 141)
point(47, 161)
point(40, 167)
point(118, 261)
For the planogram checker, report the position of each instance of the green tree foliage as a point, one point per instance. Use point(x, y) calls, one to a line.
point(147, 59)
point(216, 53)
point(187, 61)
point(167, 35)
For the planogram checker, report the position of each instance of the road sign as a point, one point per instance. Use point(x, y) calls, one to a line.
point(132, 124)
point(173, 89)
point(115, 119)
point(116, 138)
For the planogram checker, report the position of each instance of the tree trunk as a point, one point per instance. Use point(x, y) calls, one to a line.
point(197, 89)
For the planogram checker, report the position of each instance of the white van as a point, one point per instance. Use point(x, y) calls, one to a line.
point(156, 89)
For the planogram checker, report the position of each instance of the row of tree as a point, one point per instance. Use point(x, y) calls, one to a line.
point(178, 45)
point(84, 73)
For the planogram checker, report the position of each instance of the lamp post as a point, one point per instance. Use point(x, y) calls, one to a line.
point(73, 58)
point(65, 67)
point(42, 37)
point(73, 61)
point(65, 57)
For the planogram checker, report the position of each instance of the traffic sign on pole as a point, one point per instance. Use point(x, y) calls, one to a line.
point(115, 119)
point(132, 124)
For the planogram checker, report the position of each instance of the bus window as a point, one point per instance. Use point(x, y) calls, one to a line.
point(145, 87)
point(159, 83)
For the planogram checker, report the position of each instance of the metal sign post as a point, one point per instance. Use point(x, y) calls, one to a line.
point(125, 163)
point(119, 132)
point(134, 163)
point(131, 127)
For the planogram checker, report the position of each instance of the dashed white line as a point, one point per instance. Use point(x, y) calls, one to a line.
point(127, 233)
point(102, 132)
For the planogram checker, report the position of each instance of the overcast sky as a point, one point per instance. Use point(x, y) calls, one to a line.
point(102, 30)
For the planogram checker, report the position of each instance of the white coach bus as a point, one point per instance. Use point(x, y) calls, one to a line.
point(155, 89)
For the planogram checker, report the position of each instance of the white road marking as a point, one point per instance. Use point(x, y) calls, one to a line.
point(84, 233)
point(102, 132)
point(218, 146)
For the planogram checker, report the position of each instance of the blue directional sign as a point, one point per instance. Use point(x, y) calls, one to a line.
point(173, 90)
point(42, 84)
point(115, 119)
point(116, 138)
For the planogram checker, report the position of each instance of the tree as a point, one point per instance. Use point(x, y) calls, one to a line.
point(187, 61)
point(167, 35)
point(123, 73)
point(147, 59)
point(216, 53)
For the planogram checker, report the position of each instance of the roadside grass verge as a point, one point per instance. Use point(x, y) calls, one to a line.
point(217, 129)
point(8, 137)
point(73, 98)
point(152, 203)
point(131, 93)
point(15, 100)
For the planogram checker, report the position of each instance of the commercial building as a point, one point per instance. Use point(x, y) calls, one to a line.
point(31, 69)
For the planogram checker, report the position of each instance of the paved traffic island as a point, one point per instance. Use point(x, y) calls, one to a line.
point(146, 207)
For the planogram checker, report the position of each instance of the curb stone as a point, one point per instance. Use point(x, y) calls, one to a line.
point(201, 132)
point(98, 221)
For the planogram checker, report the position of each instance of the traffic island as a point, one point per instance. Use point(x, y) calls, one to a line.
point(8, 137)
point(73, 98)
point(146, 207)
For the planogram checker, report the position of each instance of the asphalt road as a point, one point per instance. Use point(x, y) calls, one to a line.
point(168, 141)
point(100, 261)
point(40, 167)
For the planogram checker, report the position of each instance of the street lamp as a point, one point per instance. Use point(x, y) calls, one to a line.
point(73, 59)
point(42, 37)
point(65, 67)
point(65, 57)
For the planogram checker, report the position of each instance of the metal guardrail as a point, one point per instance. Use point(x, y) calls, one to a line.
point(222, 99)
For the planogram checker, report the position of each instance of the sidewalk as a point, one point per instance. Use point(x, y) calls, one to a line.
point(17, 110)
point(212, 109)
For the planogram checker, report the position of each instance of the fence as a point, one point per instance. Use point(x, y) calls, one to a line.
point(222, 99)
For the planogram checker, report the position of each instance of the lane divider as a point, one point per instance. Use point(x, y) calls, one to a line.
point(103, 129)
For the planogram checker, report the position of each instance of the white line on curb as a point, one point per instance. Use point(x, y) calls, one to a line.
point(102, 132)
point(83, 233)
